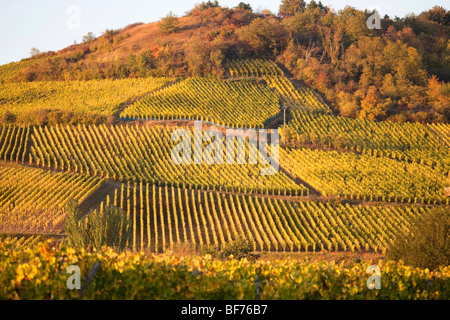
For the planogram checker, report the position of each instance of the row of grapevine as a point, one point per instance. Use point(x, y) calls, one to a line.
point(13, 143)
point(228, 103)
point(32, 220)
point(365, 177)
point(21, 242)
point(165, 217)
point(95, 96)
point(442, 131)
point(408, 141)
point(301, 99)
point(143, 153)
point(32, 200)
point(253, 68)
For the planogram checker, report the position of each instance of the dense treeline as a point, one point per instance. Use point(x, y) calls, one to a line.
point(398, 72)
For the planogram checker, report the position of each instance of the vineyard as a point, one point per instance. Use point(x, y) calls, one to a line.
point(366, 177)
point(21, 242)
point(103, 97)
point(298, 99)
point(227, 103)
point(164, 218)
point(442, 130)
point(33, 274)
point(32, 200)
point(406, 142)
point(142, 153)
point(13, 143)
point(344, 185)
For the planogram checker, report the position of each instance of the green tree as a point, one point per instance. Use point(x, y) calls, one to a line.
point(35, 52)
point(109, 228)
point(209, 4)
point(244, 6)
point(266, 37)
point(427, 243)
point(88, 38)
point(290, 7)
point(169, 24)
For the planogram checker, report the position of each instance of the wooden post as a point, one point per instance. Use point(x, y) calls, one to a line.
point(257, 297)
point(90, 276)
point(284, 127)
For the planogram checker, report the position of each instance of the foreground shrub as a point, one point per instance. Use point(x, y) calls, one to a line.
point(240, 248)
point(108, 228)
point(427, 243)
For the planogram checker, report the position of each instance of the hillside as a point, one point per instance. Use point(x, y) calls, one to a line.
point(231, 154)
point(398, 72)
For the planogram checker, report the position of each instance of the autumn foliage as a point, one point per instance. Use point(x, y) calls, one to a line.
point(398, 72)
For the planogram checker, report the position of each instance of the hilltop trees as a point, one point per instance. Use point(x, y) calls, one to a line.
point(244, 6)
point(332, 52)
point(290, 7)
point(35, 52)
point(88, 38)
point(265, 37)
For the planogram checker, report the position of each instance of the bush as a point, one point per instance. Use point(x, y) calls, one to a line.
point(8, 118)
point(427, 243)
point(111, 228)
point(169, 24)
point(238, 249)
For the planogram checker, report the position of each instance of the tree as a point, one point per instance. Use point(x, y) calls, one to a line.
point(426, 243)
point(244, 6)
point(8, 117)
point(35, 52)
point(313, 5)
point(290, 7)
point(88, 38)
point(266, 37)
point(373, 108)
point(209, 4)
point(109, 228)
point(437, 14)
point(169, 24)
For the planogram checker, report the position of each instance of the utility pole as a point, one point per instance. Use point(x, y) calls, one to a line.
point(284, 131)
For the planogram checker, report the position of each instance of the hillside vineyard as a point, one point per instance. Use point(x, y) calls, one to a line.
point(164, 217)
point(343, 185)
point(228, 154)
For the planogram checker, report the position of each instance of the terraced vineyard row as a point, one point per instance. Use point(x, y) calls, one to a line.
point(301, 99)
point(96, 96)
point(228, 103)
point(442, 131)
point(366, 177)
point(21, 242)
point(411, 142)
point(253, 68)
point(32, 200)
point(164, 217)
point(13, 142)
point(142, 153)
